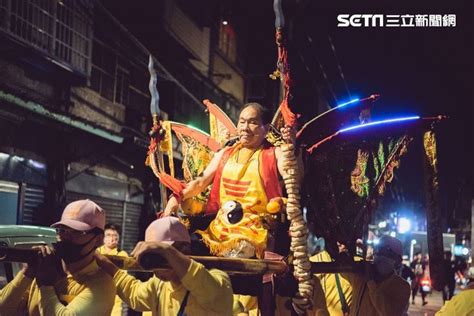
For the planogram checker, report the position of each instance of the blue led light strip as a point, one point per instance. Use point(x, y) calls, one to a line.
point(346, 103)
point(401, 119)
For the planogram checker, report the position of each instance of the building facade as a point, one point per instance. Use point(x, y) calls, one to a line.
point(74, 103)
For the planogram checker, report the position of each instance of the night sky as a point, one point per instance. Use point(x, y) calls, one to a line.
point(425, 71)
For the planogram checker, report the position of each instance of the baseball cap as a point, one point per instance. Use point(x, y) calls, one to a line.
point(391, 243)
point(82, 215)
point(167, 229)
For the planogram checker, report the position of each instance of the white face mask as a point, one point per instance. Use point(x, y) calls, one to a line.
point(384, 265)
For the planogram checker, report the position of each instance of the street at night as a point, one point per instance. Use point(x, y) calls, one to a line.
point(236, 157)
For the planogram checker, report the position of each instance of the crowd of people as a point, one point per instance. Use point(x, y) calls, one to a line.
point(417, 275)
point(77, 278)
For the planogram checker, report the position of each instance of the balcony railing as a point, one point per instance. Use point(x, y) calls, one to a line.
point(61, 29)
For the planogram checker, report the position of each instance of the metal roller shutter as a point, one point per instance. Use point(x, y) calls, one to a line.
point(132, 224)
point(33, 200)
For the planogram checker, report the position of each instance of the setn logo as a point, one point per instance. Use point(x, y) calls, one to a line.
point(360, 20)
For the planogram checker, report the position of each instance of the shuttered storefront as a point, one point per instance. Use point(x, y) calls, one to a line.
point(132, 222)
point(33, 199)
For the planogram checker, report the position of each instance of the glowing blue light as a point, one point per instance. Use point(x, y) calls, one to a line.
point(460, 250)
point(346, 103)
point(36, 164)
point(401, 119)
point(404, 225)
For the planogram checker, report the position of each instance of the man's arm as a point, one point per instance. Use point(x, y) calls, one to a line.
point(211, 289)
point(96, 299)
point(140, 296)
point(197, 185)
point(14, 296)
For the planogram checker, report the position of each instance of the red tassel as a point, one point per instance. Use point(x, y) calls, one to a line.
point(288, 116)
point(171, 183)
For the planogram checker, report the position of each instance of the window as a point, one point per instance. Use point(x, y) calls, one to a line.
point(117, 79)
point(61, 28)
point(122, 86)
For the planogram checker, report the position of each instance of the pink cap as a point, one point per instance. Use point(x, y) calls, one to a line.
point(391, 243)
point(167, 229)
point(82, 215)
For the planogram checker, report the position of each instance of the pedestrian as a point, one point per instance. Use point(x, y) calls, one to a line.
point(407, 273)
point(418, 266)
point(449, 273)
point(65, 280)
point(111, 241)
point(111, 247)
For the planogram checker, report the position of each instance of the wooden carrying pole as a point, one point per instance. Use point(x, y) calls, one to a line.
point(230, 265)
point(151, 262)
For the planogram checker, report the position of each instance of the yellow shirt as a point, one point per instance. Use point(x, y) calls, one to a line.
point(117, 309)
point(387, 298)
point(249, 305)
point(114, 252)
point(210, 292)
point(461, 304)
point(329, 287)
point(89, 291)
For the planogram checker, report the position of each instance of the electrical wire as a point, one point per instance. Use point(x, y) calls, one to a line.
point(323, 72)
point(339, 65)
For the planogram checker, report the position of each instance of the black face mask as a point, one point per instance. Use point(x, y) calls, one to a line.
point(70, 252)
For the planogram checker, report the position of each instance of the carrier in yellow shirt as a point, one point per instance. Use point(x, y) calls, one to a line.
point(210, 292)
point(89, 291)
point(329, 287)
point(461, 304)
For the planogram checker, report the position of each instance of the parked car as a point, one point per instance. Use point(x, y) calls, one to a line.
point(18, 236)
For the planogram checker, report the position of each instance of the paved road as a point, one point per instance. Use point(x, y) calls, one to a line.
point(435, 301)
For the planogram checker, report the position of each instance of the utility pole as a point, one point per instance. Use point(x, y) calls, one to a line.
point(472, 229)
